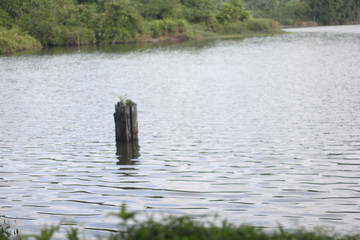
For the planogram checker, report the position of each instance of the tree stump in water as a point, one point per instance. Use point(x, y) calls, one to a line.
point(126, 125)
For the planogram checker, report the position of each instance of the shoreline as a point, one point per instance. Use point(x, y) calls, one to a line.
point(199, 36)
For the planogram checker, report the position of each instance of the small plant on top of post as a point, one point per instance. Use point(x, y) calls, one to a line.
point(125, 116)
point(124, 100)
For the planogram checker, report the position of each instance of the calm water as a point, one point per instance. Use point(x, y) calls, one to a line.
point(260, 131)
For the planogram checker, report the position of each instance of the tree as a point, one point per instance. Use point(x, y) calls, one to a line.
point(232, 11)
point(294, 11)
point(120, 22)
point(5, 19)
point(334, 11)
point(158, 9)
point(40, 21)
point(12, 7)
point(200, 11)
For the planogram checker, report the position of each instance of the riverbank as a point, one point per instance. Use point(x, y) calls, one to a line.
point(13, 40)
point(119, 22)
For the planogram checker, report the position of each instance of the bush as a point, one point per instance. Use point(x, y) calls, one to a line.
point(292, 12)
point(38, 25)
point(159, 9)
point(120, 23)
point(200, 11)
point(80, 36)
point(239, 28)
point(261, 24)
point(168, 26)
point(12, 40)
point(5, 19)
point(232, 11)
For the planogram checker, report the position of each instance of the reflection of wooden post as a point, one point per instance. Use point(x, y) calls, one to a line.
point(127, 152)
point(126, 126)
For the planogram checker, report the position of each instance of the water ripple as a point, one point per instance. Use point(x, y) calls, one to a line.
point(261, 131)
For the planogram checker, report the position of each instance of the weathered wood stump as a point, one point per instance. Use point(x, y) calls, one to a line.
point(126, 125)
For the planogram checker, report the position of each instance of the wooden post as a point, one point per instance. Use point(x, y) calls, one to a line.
point(126, 125)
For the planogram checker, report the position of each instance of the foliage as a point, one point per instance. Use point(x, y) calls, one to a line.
point(238, 28)
point(120, 22)
point(199, 11)
point(293, 12)
point(72, 234)
point(159, 9)
point(297, 11)
point(56, 23)
point(5, 19)
point(124, 100)
point(79, 36)
point(12, 7)
point(168, 26)
point(335, 11)
point(123, 214)
point(232, 11)
point(185, 227)
point(84, 22)
point(14, 39)
point(46, 233)
point(261, 24)
point(5, 231)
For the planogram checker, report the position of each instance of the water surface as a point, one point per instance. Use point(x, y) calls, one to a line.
point(260, 131)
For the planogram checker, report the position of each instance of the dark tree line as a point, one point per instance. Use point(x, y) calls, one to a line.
point(320, 11)
point(334, 11)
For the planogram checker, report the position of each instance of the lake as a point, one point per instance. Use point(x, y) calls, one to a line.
point(263, 131)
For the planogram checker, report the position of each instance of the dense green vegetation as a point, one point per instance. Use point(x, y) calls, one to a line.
point(178, 228)
point(28, 24)
point(12, 40)
point(302, 12)
point(335, 11)
point(85, 22)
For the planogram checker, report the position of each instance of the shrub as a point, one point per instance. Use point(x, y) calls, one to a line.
point(159, 9)
point(80, 36)
point(120, 23)
point(261, 24)
point(168, 26)
point(239, 28)
point(5, 19)
point(232, 11)
point(12, 40)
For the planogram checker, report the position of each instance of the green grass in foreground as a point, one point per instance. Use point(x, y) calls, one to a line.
point(183, 228)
